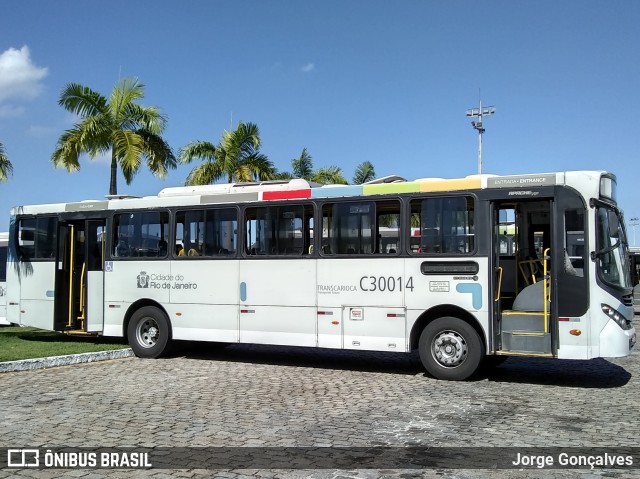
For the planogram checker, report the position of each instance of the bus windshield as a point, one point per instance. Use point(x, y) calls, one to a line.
point(613, 254)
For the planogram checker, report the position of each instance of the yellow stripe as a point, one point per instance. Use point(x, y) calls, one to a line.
point(510, 353)
point(522, 313)
point(390, 188)
point(528, 333)
point(451, 185)
point(79, 332)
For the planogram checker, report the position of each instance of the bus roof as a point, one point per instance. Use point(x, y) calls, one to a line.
point(587, 182)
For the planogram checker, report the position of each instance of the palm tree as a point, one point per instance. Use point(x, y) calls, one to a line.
point(6, 168)
point(303, 165)
point(329, 175)
point(303, 168)
point(237, 157)
point(282, 175)
point(131, 131)
point(364, 172)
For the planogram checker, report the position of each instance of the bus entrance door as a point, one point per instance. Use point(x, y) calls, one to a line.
point(522, 284)
point(79, 295)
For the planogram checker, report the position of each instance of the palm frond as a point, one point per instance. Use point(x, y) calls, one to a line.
point(128, 148)
point(330, 175)
point(6, 168)
point(95, 134)
point(282, 175)
point(160, 157)
point(236, 157)
point(205, 174)
point(82, 100)
point(68, 149)
point(303, 165)
point(143, 117)
point(124, 93)
point(260, 166)
point(364, 172)
point(197, 150)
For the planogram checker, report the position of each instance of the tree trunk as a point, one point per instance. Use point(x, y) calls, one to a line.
point(113, 185)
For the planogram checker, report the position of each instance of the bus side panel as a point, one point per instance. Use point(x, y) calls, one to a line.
point(599, 335)
point(95, 301)
point(3, 303)
point(13, 292)
point(370, 293)
point(3, 279)
point(278, 302)
point(466, 290)
point(204, 300)
point(128, 281)
point(572, 346)
point(37, 280)
point(330, 327)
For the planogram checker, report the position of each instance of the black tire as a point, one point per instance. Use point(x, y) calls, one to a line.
point(149, 332)
point(450, 349)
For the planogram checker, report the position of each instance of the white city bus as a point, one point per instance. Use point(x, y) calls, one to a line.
point(463, 270)
point(4, 241)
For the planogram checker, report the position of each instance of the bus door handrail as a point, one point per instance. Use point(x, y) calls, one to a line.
point(71, 258)
point(546, 287)
point(82, 293)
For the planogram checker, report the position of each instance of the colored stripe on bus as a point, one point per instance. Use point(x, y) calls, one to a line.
point(390, 188)
point(451, 185)
point(286, 195)
point(335, 191)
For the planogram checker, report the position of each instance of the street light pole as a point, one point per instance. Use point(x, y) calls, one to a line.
point(634, 222)
point(479, 113)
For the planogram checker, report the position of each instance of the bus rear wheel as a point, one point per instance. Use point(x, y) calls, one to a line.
point(450, 349)
point(148, 332)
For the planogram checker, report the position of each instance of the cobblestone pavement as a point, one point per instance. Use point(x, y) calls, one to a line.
point(253, 396)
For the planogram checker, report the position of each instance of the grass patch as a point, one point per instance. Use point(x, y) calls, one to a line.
point(27, 343)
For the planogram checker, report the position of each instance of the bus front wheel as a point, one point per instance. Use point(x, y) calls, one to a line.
point(148, 332)
point(450, 349)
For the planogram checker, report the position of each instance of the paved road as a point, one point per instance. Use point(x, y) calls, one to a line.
point(254, 396)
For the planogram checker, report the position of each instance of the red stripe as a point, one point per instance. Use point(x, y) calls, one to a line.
point(286, 195)
point(564, 319)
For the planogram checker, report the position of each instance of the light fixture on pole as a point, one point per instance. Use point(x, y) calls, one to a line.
point(634, 222)
point(479, 113)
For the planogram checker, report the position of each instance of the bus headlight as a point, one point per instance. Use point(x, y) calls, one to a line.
point(623, 322)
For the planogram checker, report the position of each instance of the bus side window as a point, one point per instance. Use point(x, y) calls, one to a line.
point(140, 233)
point(446, 225)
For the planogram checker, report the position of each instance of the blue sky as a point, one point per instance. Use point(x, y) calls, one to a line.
point(387, 82)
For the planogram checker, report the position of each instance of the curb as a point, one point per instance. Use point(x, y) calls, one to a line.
point(54, 361)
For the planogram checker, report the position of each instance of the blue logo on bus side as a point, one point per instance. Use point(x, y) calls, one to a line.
point(475, 290)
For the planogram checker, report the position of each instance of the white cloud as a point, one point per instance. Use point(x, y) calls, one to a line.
point(19, 77)
point(38, 131)
point(8, 111)
point(308, 67)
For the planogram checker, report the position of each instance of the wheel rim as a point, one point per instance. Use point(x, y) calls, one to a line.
point(449, 349)
point(147, 332)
